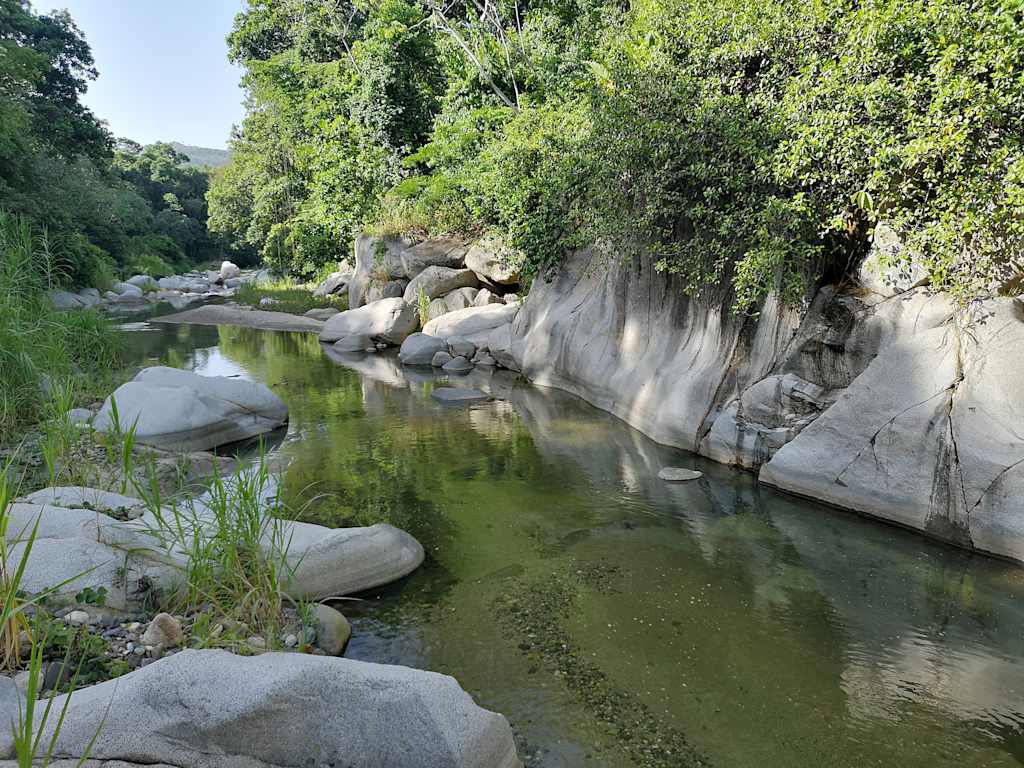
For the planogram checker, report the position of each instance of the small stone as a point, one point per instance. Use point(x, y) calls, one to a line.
point(290, 641)
point(332, 629)
point(164, 630)
point(461, 347)
point(440, 359)
point(256, 642)
point(77, 618)
point(486, 360)
point(458, 365)
point(139, 650)
point(679, 474)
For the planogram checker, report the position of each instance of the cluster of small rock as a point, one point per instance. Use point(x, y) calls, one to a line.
point(177, 290)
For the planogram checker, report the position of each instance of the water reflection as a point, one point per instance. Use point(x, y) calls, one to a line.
point(772, 632)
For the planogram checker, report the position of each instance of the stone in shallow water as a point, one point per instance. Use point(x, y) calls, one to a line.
point(456, 395)
point(355, 343)
point(679, 474)
point(441, 359)
point(458, 365)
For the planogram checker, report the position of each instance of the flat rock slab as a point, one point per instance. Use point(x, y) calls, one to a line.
point(459, 395)
point(679, 474)
point(218, 314)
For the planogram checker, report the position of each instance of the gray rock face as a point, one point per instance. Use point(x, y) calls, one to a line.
point(437, 281)
point(389, 321)
point(927, 435)
point(436, 308)
point(473, 323)
point(894, 404)
point(494, 262)
point(419, 349)
point(377, 260)
point(437, 252)
point(210, 709)
point(178, 410)
point(12, 706)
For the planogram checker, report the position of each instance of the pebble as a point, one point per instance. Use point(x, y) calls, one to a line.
point(291, 641)
point(77, 618)
point(256, 642)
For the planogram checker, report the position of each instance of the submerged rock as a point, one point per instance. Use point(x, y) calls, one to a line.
point(458, 364)
point(459, 395)
point(175, 409)
point(419, 349)
point(203, 709)
point(679, 474)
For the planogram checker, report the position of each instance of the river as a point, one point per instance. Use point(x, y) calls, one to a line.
point(614, 618)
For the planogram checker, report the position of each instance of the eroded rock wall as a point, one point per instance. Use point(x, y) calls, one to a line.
point(883, 399)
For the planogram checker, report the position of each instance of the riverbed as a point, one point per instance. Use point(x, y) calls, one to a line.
point(618, 620)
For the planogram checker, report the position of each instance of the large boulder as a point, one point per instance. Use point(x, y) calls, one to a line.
point(475, 323)
point(229, 270)
point(210, 709)
point(437, 281)
point(388, 321)
point(173, 283)
point(438, 252)
point(419, 349)
point(175, 409)
point(378, 260)
point(127, 289)
point(494, 261)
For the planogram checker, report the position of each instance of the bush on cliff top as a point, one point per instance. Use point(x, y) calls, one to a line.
point(750, 144)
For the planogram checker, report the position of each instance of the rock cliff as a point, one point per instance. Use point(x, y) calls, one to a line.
point(880, 398)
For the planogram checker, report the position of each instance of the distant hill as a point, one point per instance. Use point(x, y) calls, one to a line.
point(203, 156)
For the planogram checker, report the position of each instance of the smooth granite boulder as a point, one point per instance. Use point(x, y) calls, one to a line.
point(389, 321)
point(473, 323)
point(438, 252)
point(212, 709)
point(179, 410)
point(419, 349)
point(435, 282)
point(229, 270)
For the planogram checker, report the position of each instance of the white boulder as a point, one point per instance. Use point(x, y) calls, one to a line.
point(207, 709)
point(179, 410)
point(229, 270)
point(437, 281)
point(473, 323)
point(387, 320)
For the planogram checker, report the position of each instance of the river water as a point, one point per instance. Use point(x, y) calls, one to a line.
point(618, 620)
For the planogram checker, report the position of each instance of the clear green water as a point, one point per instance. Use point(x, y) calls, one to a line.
point(763, 630)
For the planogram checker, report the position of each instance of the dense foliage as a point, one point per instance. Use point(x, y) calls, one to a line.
point(105, 209)
point(749, 144)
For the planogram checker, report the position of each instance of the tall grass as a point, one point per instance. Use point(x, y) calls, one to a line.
point(27, 732)
point(40, 345)
point(235, 547)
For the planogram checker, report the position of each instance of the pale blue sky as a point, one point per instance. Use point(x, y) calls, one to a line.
point(164, 73)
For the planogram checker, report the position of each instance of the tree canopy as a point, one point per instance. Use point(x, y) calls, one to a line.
point(751, 145)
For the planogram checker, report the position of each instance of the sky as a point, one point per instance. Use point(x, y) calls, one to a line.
point(164, 73)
